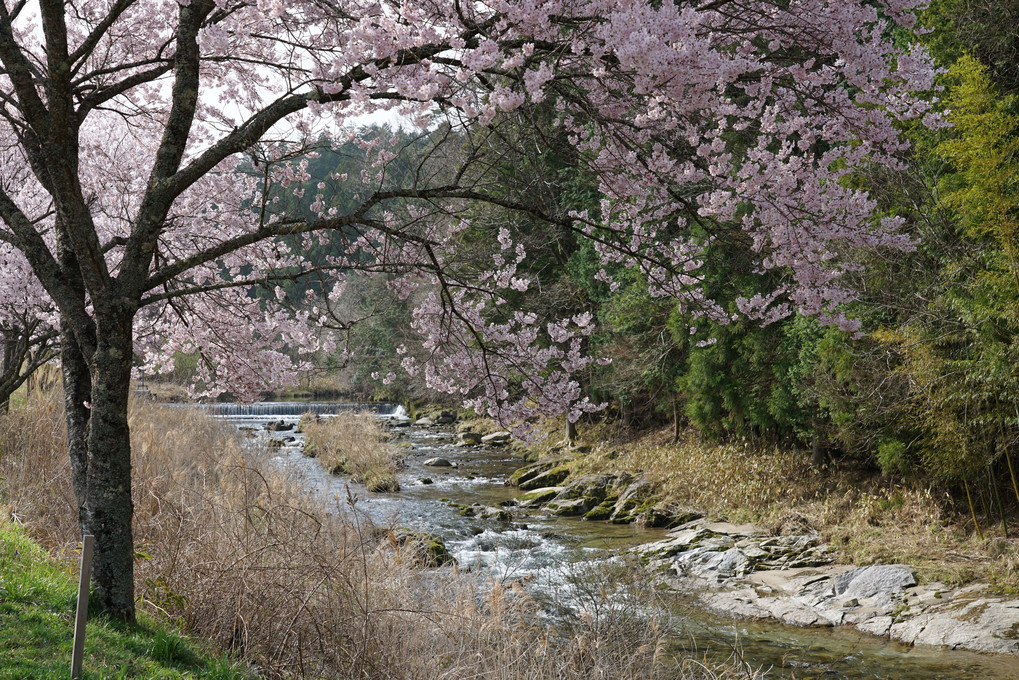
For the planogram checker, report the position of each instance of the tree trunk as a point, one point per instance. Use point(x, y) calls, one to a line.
point(675, 418)
point(77, 392)
point(7, 375)
point(816, 448)
point(108, 496)
point(571, 432)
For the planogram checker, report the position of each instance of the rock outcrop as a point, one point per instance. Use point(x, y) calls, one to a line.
point(744, 572)
point(620, 499)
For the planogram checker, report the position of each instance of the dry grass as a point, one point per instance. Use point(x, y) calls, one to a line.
point(736, 480)
point(235, 552)
point(35, 477)
point(354, 444)
point(869, 519)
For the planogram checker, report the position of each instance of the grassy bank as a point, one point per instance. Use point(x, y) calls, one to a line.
point(868, 518)
point(37, 599)
point(233, 551)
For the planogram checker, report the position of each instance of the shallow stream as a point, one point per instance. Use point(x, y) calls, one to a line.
point(543, 552)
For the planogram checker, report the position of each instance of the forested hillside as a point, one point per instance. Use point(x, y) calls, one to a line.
point(925, 388)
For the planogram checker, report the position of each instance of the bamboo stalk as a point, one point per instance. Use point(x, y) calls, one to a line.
point(997, 500)
point(972, 510)
point(1011, 472)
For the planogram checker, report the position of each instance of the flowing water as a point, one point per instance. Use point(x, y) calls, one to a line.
point(544, 552)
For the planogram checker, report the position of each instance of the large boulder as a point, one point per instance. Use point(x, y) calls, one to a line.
point(529, 472)
point(595, 488)
point(638, 496)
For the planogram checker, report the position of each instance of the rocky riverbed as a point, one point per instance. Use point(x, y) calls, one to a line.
point(521, 523)
point(746, 572)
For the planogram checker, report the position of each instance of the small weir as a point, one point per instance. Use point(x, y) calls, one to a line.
point(545, 552)
point(268, 409)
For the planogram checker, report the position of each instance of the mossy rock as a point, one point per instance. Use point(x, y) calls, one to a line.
point(492, 512)
point(657, 518)
point(503, 516)
point(529, 472)
point(664, 517)
point(309, 450)
point(601, 512)
point(593, 488)
point(433, 552)
point(553, 477)
point(624, 511)
point(538, 497)
point(518, 474)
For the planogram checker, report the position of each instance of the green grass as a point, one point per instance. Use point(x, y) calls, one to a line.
point(37, 599)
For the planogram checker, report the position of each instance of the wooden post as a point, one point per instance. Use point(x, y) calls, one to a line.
point(81, 615)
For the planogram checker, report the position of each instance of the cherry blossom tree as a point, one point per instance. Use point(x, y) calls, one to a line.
point(28, 323)
point(701, 119)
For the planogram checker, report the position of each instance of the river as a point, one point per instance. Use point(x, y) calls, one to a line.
point(545, 552)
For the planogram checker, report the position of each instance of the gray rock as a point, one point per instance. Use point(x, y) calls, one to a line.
point(567, 507)
point(496, 439)
point(711, 563)
point(491, 512)
point(795, 614)
point(713, 560)
point(424, 422)
point(879, 625)
point(868, 582)
point(983, 624)
point(437, 462)
point(446, 418)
